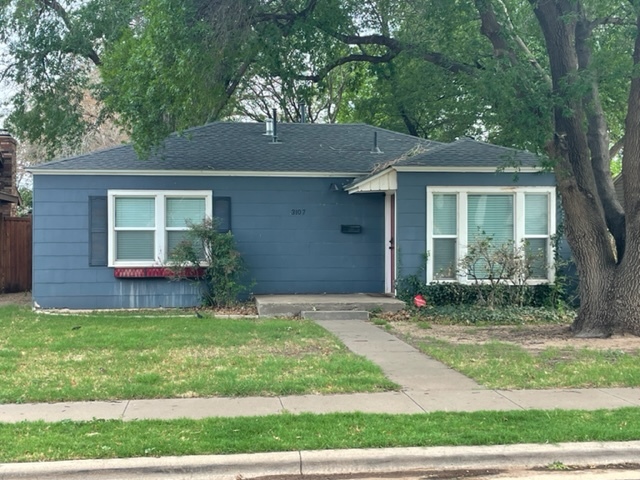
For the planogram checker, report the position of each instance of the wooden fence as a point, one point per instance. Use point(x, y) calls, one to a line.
point(15, 254)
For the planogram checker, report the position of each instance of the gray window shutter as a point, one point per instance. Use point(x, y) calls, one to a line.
point(98, 234)
point(222, 213)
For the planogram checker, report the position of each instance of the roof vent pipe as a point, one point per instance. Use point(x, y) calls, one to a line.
point(303, 112)
point(375, 143)
point(275, 126)
point(268, 123)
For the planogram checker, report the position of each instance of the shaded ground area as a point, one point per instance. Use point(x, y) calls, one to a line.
point(20, 298)
point(530, 337)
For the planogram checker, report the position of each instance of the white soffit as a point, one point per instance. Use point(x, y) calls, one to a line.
point(382, 182)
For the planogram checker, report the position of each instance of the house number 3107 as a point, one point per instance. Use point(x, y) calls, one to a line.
point(298, 211)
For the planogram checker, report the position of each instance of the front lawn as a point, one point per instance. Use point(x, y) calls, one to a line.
point(500, 365)
point(39, 441)
point(519, 348)
point(126, 355)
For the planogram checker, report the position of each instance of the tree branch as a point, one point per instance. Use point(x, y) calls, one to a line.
point(615, 149)
point(89, 53)
point(608, 21)
point(397, 47)
point(493, 30)
point(524, 48)
point(598, 139)
point(288, 17)
point(354, 57)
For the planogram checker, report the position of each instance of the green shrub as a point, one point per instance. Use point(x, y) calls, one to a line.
point(451, 293)
point(222, 276)
point(509, 315)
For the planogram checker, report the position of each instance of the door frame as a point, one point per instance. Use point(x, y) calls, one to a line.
point(390, 243)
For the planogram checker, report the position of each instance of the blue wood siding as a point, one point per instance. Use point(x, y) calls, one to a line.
point(411, 206)
point(284, 253)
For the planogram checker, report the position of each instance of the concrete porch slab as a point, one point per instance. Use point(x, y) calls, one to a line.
point(292, 305)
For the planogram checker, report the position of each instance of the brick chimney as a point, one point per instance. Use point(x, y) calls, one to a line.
point(7, 173)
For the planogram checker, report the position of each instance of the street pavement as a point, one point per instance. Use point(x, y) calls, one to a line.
point(426, 386)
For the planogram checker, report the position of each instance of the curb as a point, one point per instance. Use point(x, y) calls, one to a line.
point(331, 462)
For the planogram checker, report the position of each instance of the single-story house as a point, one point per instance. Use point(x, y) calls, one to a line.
point(319, 208)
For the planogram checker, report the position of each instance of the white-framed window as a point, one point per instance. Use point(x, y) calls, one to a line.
point(457, 216)
point(145, 225)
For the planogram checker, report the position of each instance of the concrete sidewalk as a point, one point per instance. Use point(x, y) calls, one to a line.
point(427, 386)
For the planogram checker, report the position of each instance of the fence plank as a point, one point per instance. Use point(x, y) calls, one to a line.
point(15, 254)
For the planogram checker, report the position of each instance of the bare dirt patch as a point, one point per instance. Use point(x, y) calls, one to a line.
point(20, 298)
point(531, 337)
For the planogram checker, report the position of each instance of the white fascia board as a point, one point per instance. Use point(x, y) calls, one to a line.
point(196, 173)
point(361, 185)
point(468, 169)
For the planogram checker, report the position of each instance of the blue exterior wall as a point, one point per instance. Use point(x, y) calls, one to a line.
point(284, 253)
point(411, 206)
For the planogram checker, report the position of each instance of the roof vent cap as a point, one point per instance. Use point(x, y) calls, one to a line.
point(375, 149)
point(269, 127)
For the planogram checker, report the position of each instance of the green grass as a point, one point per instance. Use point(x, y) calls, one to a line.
point(110, 439)
point(480, 315)
point(507, 366)
point(46, 358)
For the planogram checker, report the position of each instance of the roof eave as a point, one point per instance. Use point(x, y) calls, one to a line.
point(466, 169)
point(195, 173)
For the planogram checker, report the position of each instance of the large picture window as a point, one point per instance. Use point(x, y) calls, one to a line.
point(459, 216)
point(144, 226)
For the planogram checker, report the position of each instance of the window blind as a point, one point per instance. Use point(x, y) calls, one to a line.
point(135, 212)
point(490, 216)
point(536, 214)
point(182, 211)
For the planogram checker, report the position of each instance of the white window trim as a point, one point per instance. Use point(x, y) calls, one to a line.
point(160, 228)
point(519, 221)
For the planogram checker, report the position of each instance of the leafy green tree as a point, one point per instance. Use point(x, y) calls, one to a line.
point(53, 49)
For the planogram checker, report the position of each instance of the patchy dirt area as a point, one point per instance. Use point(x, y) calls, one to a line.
point(531, 337)
point(20, 298)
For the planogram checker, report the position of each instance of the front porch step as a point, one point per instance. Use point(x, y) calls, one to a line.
point(292, 305)
point(335, 315)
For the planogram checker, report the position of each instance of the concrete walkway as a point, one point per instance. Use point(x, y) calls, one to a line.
point(427, 386)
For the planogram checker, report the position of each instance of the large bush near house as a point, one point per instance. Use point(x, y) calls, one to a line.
point(213, 259)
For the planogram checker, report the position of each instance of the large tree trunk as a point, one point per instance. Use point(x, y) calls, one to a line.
point(623, 302)
point(609, 284)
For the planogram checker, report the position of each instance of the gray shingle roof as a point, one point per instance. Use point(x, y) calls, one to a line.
point(468, 153)
point(225, 146)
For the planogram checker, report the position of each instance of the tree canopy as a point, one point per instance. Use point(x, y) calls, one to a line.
point(552, 76)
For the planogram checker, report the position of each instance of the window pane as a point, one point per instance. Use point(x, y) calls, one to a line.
point(444, 214)
point(135, 212)
point(175, 237)
point(444, 258)
point(490, 216)
point(135, 245)
point(182, 211)
point(536, 214)
point(537, 248)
